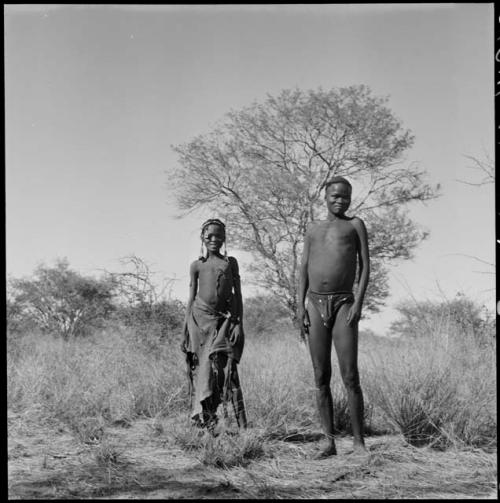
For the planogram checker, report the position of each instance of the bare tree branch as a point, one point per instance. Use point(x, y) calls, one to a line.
point(485, 166)
point(266, 167)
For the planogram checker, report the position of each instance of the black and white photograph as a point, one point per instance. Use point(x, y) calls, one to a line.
point(250, 251)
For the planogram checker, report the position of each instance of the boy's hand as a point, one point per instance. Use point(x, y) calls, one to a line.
point(354, 313)
point(184, 338)
point(304, 322)
point(304, 331)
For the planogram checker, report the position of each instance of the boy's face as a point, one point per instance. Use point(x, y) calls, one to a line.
point(213, 237)
point(338, 198)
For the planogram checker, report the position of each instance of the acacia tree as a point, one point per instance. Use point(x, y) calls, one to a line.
point(264, 169)
point(60, 300)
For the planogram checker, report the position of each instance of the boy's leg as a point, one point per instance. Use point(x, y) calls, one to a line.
point(320, 347)
point(345, 339)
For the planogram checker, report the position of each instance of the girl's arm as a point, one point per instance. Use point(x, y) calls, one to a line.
point(237, 288)
point(193, 285)
point(193, 288)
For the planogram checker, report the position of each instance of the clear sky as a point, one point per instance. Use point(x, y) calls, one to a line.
point(95, 96)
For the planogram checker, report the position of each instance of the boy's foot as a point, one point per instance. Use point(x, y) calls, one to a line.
point(359, 448)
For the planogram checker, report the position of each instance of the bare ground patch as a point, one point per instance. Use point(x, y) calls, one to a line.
point(145, 460)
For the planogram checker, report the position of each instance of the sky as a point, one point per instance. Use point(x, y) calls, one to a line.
point(96, 96)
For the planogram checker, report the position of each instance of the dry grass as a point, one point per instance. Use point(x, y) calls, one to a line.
point(137, 463)
point(106, 417)
point(225, 450)
point(106, 378)
point(278, 383)
point(438, 390)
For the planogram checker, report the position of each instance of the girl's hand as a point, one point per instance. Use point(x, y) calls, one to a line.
point(235, 336)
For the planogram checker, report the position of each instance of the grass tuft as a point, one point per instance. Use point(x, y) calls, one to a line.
point(225, 449)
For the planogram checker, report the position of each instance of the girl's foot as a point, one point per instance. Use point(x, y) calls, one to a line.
point(331, 450)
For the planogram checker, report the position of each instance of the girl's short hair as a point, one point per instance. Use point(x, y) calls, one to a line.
point(213, 221)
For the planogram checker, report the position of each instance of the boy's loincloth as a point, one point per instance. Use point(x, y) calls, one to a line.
point(212, 359)
point(327, 304)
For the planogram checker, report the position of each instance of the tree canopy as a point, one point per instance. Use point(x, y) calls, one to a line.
point(60, 300)
point(263, 170)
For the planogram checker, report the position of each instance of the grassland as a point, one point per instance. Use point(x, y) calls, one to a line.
point(106, 417)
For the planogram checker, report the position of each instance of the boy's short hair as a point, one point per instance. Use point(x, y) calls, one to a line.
point(337, 179)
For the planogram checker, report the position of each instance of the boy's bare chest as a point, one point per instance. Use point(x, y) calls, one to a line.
point(334, 234)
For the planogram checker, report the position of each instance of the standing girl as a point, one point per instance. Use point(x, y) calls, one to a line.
point(213, 331)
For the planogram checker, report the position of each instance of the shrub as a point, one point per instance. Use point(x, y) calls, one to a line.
point(263, 314)
point(59, 300)
point(438, 387)
point(459, 315)
point(153, 323)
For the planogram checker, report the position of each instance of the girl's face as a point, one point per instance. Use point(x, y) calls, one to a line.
point(213, 237)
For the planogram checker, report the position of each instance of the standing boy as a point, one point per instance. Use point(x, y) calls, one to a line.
point(332, 248)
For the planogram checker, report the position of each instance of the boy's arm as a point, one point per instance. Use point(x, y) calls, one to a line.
point(193, 288)
point(303, 283)
point(364, 270)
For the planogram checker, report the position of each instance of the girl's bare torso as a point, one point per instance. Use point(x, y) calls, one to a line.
point(215, 282)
